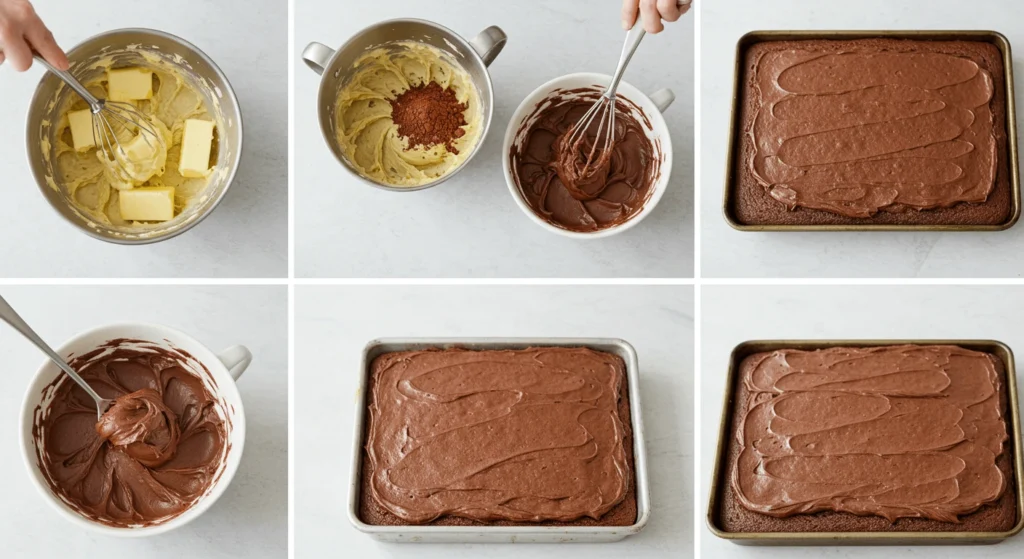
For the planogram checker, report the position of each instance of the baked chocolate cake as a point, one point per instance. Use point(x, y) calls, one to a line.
point(882, 439)
point(871, 132)
point(539, 436)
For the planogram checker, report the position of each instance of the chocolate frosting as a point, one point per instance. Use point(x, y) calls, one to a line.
point(142, 424)
point(898, 431)
point(152, 455)
point(527, 435)
point(547, 169)
point(856, 131)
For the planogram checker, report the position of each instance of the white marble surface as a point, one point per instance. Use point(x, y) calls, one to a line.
point(337, 322)
point(470, 226)
point(729, 253)
point(247, 235)
point(736, 314)
point(251, 518)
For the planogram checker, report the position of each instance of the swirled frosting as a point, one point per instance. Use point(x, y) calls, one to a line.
point(856, 131)
point(144, 425)
point(549, 170)
point(152, 455)
point(897, 431)
point(527, 435)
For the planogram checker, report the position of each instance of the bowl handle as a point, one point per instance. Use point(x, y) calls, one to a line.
point(317, 56)
point(662, 99)
point(488, 43)
point(236, 359)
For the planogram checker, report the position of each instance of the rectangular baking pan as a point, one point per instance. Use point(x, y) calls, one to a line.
point(501, 534)
point(736, 135)
point(746, 349)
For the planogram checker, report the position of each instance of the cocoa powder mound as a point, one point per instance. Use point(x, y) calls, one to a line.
point(428, 115)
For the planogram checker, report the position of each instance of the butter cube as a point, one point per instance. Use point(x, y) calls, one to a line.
point(81, 129)
point(196, 142)
point(129, 84)
point(142, 151)
point(154, 203)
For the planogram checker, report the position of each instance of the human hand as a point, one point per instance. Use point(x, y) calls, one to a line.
point(22, 32)
point(652, 11)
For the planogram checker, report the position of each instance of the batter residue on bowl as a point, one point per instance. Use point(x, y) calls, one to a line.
point(415, 84)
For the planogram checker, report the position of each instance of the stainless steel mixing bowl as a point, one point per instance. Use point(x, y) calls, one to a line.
point(123, 46)
point(336, 68)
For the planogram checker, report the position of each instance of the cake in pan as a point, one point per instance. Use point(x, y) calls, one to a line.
point(871, 132)
point(879, 439)
point(538, 436)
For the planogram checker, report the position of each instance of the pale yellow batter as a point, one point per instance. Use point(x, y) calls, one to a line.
point(369, 138)
point(92, 184)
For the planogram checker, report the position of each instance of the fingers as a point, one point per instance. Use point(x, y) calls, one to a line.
point(629, 11)
point(2, 57)
point(650, 16)
point(16, 50)
point(669, 10)
point(40, 38)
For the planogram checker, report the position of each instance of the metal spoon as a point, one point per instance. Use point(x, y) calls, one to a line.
point(10, 317)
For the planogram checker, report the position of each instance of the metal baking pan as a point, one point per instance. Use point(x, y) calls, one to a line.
point(736, 135)
point(502, 534)
point(718, 478)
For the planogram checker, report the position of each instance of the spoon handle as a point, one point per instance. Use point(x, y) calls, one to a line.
point(14, 319)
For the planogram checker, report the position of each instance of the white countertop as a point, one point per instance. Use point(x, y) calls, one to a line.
point(729, 253)
point(337, 322)
point(251, 518)
point(736, 314)
point(247, 235)
point(470, 226)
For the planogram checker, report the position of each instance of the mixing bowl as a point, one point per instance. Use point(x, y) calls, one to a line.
point(337, 67)
point(126, 47)
point(219, 372)
point(647, 110)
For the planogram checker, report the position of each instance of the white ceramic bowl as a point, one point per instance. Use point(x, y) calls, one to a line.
point(652, 106)
point(224, 368)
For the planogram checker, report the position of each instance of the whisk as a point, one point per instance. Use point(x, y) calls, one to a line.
point(105, 115)
point(603, 113)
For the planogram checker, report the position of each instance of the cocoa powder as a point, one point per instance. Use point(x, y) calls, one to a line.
point(428, 115)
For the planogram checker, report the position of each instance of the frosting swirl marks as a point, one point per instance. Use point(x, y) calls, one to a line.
point(553, 176)
point(154, 453)
point(897, 431)
point(856, 131)
point(525, 435)
point(143, 424)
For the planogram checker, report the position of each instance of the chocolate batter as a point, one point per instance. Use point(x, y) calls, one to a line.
point(143, 427)
point(896, 432)
point(864, 129)
point(154, 453)
point(529, 435)
point(546, 167)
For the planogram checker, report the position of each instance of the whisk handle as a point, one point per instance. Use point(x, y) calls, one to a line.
point(73, 83)
point(633, 38)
